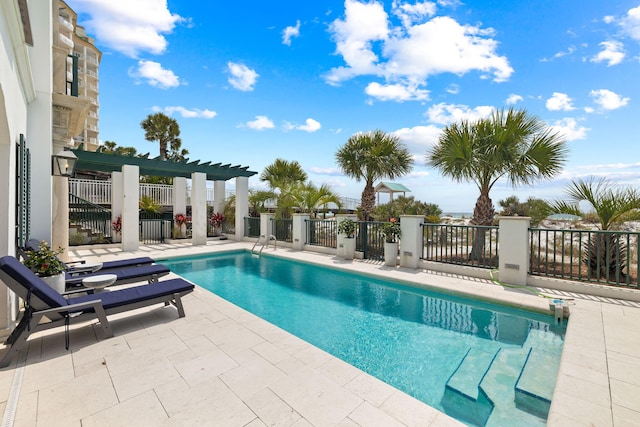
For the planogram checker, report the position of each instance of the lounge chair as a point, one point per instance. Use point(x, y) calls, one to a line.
point(45, 308)
point(79, 267)
point(150, 273)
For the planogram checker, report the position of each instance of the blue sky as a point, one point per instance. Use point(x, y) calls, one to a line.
point(251, 81)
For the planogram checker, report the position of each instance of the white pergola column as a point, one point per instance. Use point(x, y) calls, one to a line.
point(218, 196)
point(130, 208)
point(410, 240)
point(117, 200)
point(513, 249)
point(242, 204)
point(198, 208)
point(180, 199)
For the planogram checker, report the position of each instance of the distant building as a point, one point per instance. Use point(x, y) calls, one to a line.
point(75, 81)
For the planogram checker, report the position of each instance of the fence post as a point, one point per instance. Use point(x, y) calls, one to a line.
point(340, 237)
point(130, 208)
point(218, 196)
point(411, 240)
point(299, 230)
point(513, 249)
point(198, 208)
point(266, 224)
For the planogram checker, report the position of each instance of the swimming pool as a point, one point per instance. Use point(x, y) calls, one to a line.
point(483, 364)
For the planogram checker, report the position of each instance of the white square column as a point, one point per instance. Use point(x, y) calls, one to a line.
point(198, 208)
point(300, 230)
point(180, 199)
point(242, 204)
point(117, 200)
point(513, 249)
point(130, 208)
point(266, 224)
point(410, 240)
point(340, 237)
point(219, 196)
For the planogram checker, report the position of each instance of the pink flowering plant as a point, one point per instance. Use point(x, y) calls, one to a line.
point(44, 261)
point(116, 225)
point(180, 219)
point(391, 231)
point(217, 219)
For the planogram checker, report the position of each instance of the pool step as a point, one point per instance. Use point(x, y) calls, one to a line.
point(534, 388)
point(463, 397)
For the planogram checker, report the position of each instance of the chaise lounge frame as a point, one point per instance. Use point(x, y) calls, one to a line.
point(46, 308)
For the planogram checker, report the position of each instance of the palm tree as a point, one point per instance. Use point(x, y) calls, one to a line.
point(309, 198)
point(512, 145)
point(257, 201)
point(283, 176)
point(605, 254)
point(164, 129)
point(371, 156)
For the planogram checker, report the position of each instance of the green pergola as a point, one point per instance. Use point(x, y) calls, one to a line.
point(104, 162)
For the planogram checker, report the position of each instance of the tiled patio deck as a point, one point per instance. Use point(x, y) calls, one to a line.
point(222, 366)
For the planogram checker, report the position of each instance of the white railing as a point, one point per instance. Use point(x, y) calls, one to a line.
point(98, 192)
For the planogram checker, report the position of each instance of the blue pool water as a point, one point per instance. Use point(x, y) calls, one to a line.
point(483, 364)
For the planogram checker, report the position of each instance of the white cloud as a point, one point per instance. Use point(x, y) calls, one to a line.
point(260, 123)
point(453, 89)
point(326, 171)
point(631, 23)
point(608, 19)
point(448, 113)
point(310, 126)
point(612, 53)
point(419, 138)
point(410, 13)
point(396, 92)
point(289, 32)
point(559, 101)
point(513, 99)
point(569, 128)
point(608, 100)
point(409, 53)
point(155, 75)
point(186, 113)
point(139, 26)
point(242, 77)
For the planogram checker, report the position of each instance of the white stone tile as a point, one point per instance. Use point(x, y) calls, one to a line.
point(54, 371)
point(625, 394)
point(410, 411)
point(131, 383)
point(225, 408)
point(370, 389)
point(27, 411)
point(370, 416)
point(252, 377)
point(625, 417)
point(583, 412)
point(65, 404)
point(205, 367)
point(141, 411)
point(272, 410)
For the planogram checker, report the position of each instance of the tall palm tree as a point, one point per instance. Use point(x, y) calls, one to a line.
point(605, 254)
point(309, 198)
point(370, 156)
point(512, 145)
point(283, 176)
point(164, 129)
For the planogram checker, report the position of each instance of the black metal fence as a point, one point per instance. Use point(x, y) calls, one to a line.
point(155, 228)
point(471, 245)
point(369, 239)
point(605, 257)
point(252, 227)
point(283, 229)
point(91, 217)
point(321, 232)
